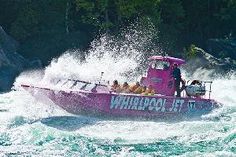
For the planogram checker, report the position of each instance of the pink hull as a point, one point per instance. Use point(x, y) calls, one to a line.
point(125, 105)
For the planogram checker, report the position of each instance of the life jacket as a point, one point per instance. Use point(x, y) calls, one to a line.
point(132, 88)
point(149, 91)
point(138, 90)
point(116, 88)
point(125, 89)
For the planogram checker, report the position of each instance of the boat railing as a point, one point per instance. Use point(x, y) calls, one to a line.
point(209, 90)
point(205, 90)
point(73, 84)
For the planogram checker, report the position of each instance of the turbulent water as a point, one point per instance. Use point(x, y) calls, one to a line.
point(29, 127)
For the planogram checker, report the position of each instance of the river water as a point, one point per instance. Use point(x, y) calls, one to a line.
point(29, 127)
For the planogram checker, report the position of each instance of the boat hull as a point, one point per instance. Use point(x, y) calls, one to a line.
point(124, 105)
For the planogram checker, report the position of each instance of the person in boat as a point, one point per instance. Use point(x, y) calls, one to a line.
point(195, 82)
point(149, 91)
point(137, 88)
point(116, 87)
point(177, 76)
point(144, 89)
point(133, 87)
point(125, 88)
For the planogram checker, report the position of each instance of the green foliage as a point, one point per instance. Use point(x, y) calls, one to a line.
point(130, 10)
point(26, 24)
point(94, 13)
point(172, 24)
point(127, 9)
point(107, 15)
point(179, 22)
point(190, 52)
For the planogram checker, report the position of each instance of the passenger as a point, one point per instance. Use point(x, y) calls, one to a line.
point(134, 87)
point(196, 82)
point(177, 76)
point(125, 88)
point(149, 91)
point(116, 87)
point(144, 89)
point(139, 90)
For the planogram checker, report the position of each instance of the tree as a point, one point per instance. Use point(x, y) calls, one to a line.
point(26, 23)
point(172, 23)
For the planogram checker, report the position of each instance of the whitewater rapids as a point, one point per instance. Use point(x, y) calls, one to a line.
point(29, 127)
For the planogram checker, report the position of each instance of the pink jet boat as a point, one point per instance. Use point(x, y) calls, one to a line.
point(82, 97)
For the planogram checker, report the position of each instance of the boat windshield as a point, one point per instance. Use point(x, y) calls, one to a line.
point(78, 85)
point(60, 83)
point(68, 84)
point(89, 87)
point(161, 65)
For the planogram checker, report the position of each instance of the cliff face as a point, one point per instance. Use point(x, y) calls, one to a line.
point(222, 48)
point(11, 63)
point(220, 57)
point(211, 62)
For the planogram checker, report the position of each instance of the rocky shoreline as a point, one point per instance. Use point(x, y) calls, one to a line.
point(11, 62)
point(220, 56)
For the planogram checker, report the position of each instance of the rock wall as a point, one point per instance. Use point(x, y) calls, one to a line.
point(205, 60)
point(222, 48)
point(11, 63)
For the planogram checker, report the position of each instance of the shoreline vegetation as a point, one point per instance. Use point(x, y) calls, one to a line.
point(35, 31)
point(45, 29)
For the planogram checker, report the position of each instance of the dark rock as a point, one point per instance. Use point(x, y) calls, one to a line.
point(36, 63)
point(206, 60)
point(11, 63)
point(7, 43)
point(47, 46)
point(222, 48)
point(8, 55)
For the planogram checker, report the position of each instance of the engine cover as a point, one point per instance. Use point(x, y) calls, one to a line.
point(195, 90)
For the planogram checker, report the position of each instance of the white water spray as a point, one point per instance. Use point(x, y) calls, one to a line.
point(25, 119)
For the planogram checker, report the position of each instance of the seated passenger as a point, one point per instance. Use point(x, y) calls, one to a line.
point(138, 90)
point(132, 88)
point(115, 87)
point(195, 82)
point(144, 89)
point(149, 91)
point(125, 88)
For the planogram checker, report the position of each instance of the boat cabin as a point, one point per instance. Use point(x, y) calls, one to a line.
point(159, 74)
